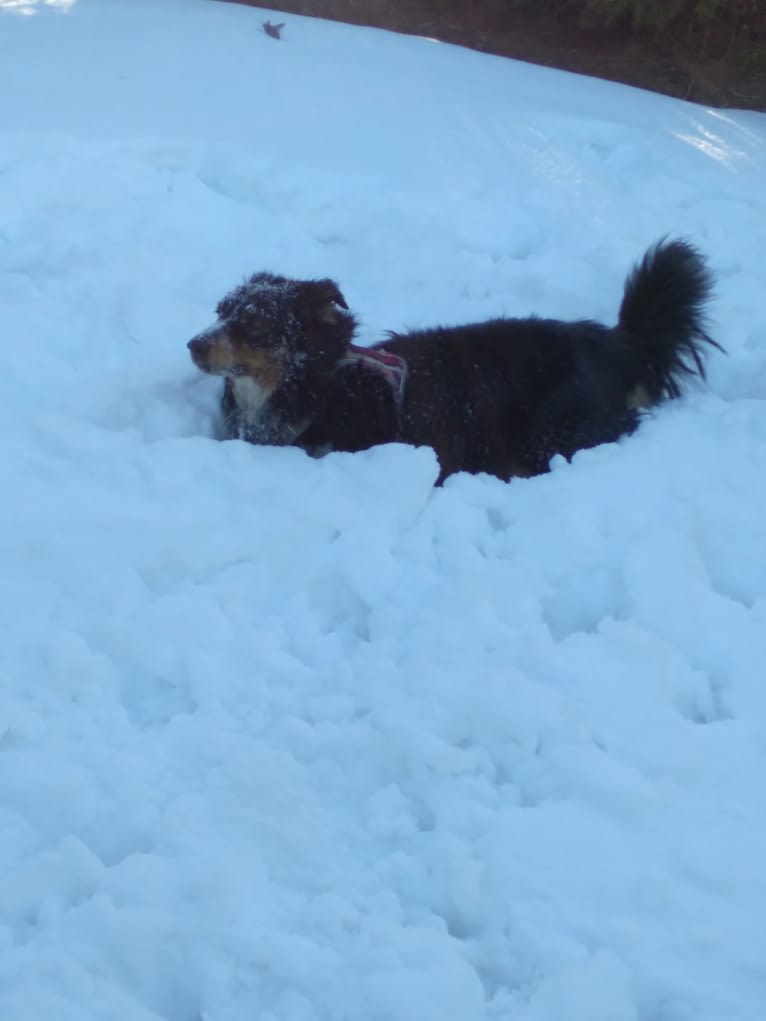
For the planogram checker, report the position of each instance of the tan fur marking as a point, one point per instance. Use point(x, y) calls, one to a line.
point(262, 366)
point(219, 355)
point(520, 472)
point(639, 398)
point(328, 314)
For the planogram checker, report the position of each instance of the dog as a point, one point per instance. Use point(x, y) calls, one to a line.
point(502, 397)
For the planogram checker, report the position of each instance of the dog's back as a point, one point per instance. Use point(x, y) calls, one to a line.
point(506, 395)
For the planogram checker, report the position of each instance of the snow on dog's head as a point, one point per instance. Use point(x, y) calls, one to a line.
point(269, 324)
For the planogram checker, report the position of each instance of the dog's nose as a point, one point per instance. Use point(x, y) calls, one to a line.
point(198, 345)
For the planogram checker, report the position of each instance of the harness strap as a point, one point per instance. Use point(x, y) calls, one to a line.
point(390, 366)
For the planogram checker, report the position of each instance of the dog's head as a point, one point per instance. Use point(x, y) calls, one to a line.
point(272, 329)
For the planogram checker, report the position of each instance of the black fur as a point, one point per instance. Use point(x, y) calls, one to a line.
point(502, 396)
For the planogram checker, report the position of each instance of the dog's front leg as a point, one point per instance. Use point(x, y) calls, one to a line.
point(274, 432)
point(286, 415)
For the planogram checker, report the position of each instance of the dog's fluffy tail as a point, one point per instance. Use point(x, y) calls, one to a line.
point(663, 315)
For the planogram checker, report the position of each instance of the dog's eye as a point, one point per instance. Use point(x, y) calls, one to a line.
point(245, 333)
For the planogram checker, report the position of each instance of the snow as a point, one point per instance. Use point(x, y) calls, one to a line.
point(297, 740)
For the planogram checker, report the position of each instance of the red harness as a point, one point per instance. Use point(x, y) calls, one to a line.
point(391, 367)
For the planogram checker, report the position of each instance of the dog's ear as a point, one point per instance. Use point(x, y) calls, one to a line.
point(324, 297)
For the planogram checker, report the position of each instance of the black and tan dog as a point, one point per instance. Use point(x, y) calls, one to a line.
point(502, 396)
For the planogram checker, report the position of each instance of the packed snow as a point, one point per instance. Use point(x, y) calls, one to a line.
point(286, 739)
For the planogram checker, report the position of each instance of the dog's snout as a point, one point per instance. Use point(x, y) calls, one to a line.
point(212, 351)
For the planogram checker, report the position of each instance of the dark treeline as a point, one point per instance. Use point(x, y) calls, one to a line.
point(708, 51)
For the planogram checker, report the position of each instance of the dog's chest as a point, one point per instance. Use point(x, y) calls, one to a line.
point(243, 402)
point(249, 397)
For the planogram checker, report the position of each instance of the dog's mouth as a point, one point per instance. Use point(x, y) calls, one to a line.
point(233, 371)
